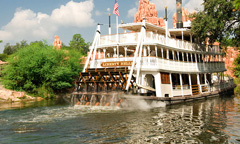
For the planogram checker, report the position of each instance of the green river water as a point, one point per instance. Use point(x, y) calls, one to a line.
point(214, 120)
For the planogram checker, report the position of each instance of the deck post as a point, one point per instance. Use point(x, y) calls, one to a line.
point(125, 49)
point(181, 83)
point(170, 74)
point(182, 39)
point(99, 54)
point(144, 51)
point(190, 82)
point(148, 47)
point(158, 84)
point(178, 55)
point(104, 51)
point(115, 54)
point(191, 58)
point(199, 83)
point(173, 54)
point(205, 79)
point(143, 82)
point(156, 51)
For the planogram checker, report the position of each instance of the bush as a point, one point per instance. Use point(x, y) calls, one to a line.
point(3, 57)
point(39, 69)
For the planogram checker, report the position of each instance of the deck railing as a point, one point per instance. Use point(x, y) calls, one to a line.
point(170, 65)
point(132, 37)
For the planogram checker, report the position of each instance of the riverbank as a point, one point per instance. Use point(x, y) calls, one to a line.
point(10, 96)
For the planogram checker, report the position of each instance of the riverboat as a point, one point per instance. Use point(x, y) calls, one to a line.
point(152, 63)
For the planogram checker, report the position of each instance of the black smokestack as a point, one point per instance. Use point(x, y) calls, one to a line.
point(166, 13)
point(179, 14)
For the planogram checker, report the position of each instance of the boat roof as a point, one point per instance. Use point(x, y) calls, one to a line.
point(179, 31)
point(137, 27)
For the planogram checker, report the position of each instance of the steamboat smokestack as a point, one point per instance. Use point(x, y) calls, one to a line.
point(179, 14)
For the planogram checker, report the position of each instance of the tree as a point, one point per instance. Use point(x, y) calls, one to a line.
point(218, 21)
point(0, 41)
point(78, 43)
point(39, 69)
point(3, 57)
point(237, 4)
point(10, 49)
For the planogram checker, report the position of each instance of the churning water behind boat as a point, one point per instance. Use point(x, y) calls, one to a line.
point(212, 121)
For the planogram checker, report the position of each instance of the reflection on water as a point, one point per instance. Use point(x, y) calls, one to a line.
point(211, 121)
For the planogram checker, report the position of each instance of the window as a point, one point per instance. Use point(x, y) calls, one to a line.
point(165, 78)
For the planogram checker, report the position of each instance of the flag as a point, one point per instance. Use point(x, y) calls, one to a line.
point(115, 9)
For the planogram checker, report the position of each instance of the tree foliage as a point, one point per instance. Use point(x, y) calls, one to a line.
point(11, 49)
point(78, 43)
point(218, 21)
point(3, 57)
point(41, 70)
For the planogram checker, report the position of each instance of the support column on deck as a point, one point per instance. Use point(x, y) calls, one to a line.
point(205, 81)
point(167, 53)
point(99, 54)
point(157, 77)
point(143, 83)
point(144, 51)
point(190, 82)
point(104, 51)
point(156, 51)
point(125, 50)
point(171, 85)
point(183, 56)
point(199, 84)
point(178, 55)
point(191, 58)
point(181, 83)
point(173, 54)
point(148, 47)
point(115, 52)
point(162, 53)
point(182, 39)
point(195, 57)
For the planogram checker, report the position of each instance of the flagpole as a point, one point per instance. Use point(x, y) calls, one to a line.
point(117, 37)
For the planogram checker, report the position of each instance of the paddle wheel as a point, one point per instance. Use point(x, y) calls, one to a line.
point(102, 86)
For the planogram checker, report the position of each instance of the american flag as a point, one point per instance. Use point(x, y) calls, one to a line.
point(115, 9)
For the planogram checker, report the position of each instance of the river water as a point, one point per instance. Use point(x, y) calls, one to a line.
point(214, 120)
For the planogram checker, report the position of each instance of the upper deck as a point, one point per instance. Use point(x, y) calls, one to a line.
point(154, 48)
point(177, 39)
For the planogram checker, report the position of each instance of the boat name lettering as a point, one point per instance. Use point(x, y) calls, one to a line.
point(117, 63)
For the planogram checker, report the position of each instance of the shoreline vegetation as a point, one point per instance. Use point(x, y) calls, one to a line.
point(40, 70)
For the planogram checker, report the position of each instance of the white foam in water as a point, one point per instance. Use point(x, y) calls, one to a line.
point(96, 108)
point(138, 103)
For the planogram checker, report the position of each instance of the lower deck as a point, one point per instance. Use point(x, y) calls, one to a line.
point(181, 84)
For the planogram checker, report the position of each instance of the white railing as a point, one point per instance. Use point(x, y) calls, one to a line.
point(170, 65)
point(156, 38)
point(123, 38)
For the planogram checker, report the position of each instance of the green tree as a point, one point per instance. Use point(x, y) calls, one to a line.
point(41, 70)
point(218, 21)
point(10, 49)
point(78, 43)
point(1, 41)
point(237, 4)
point(3, 57)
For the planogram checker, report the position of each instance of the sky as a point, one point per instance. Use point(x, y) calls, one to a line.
point(34, 20)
